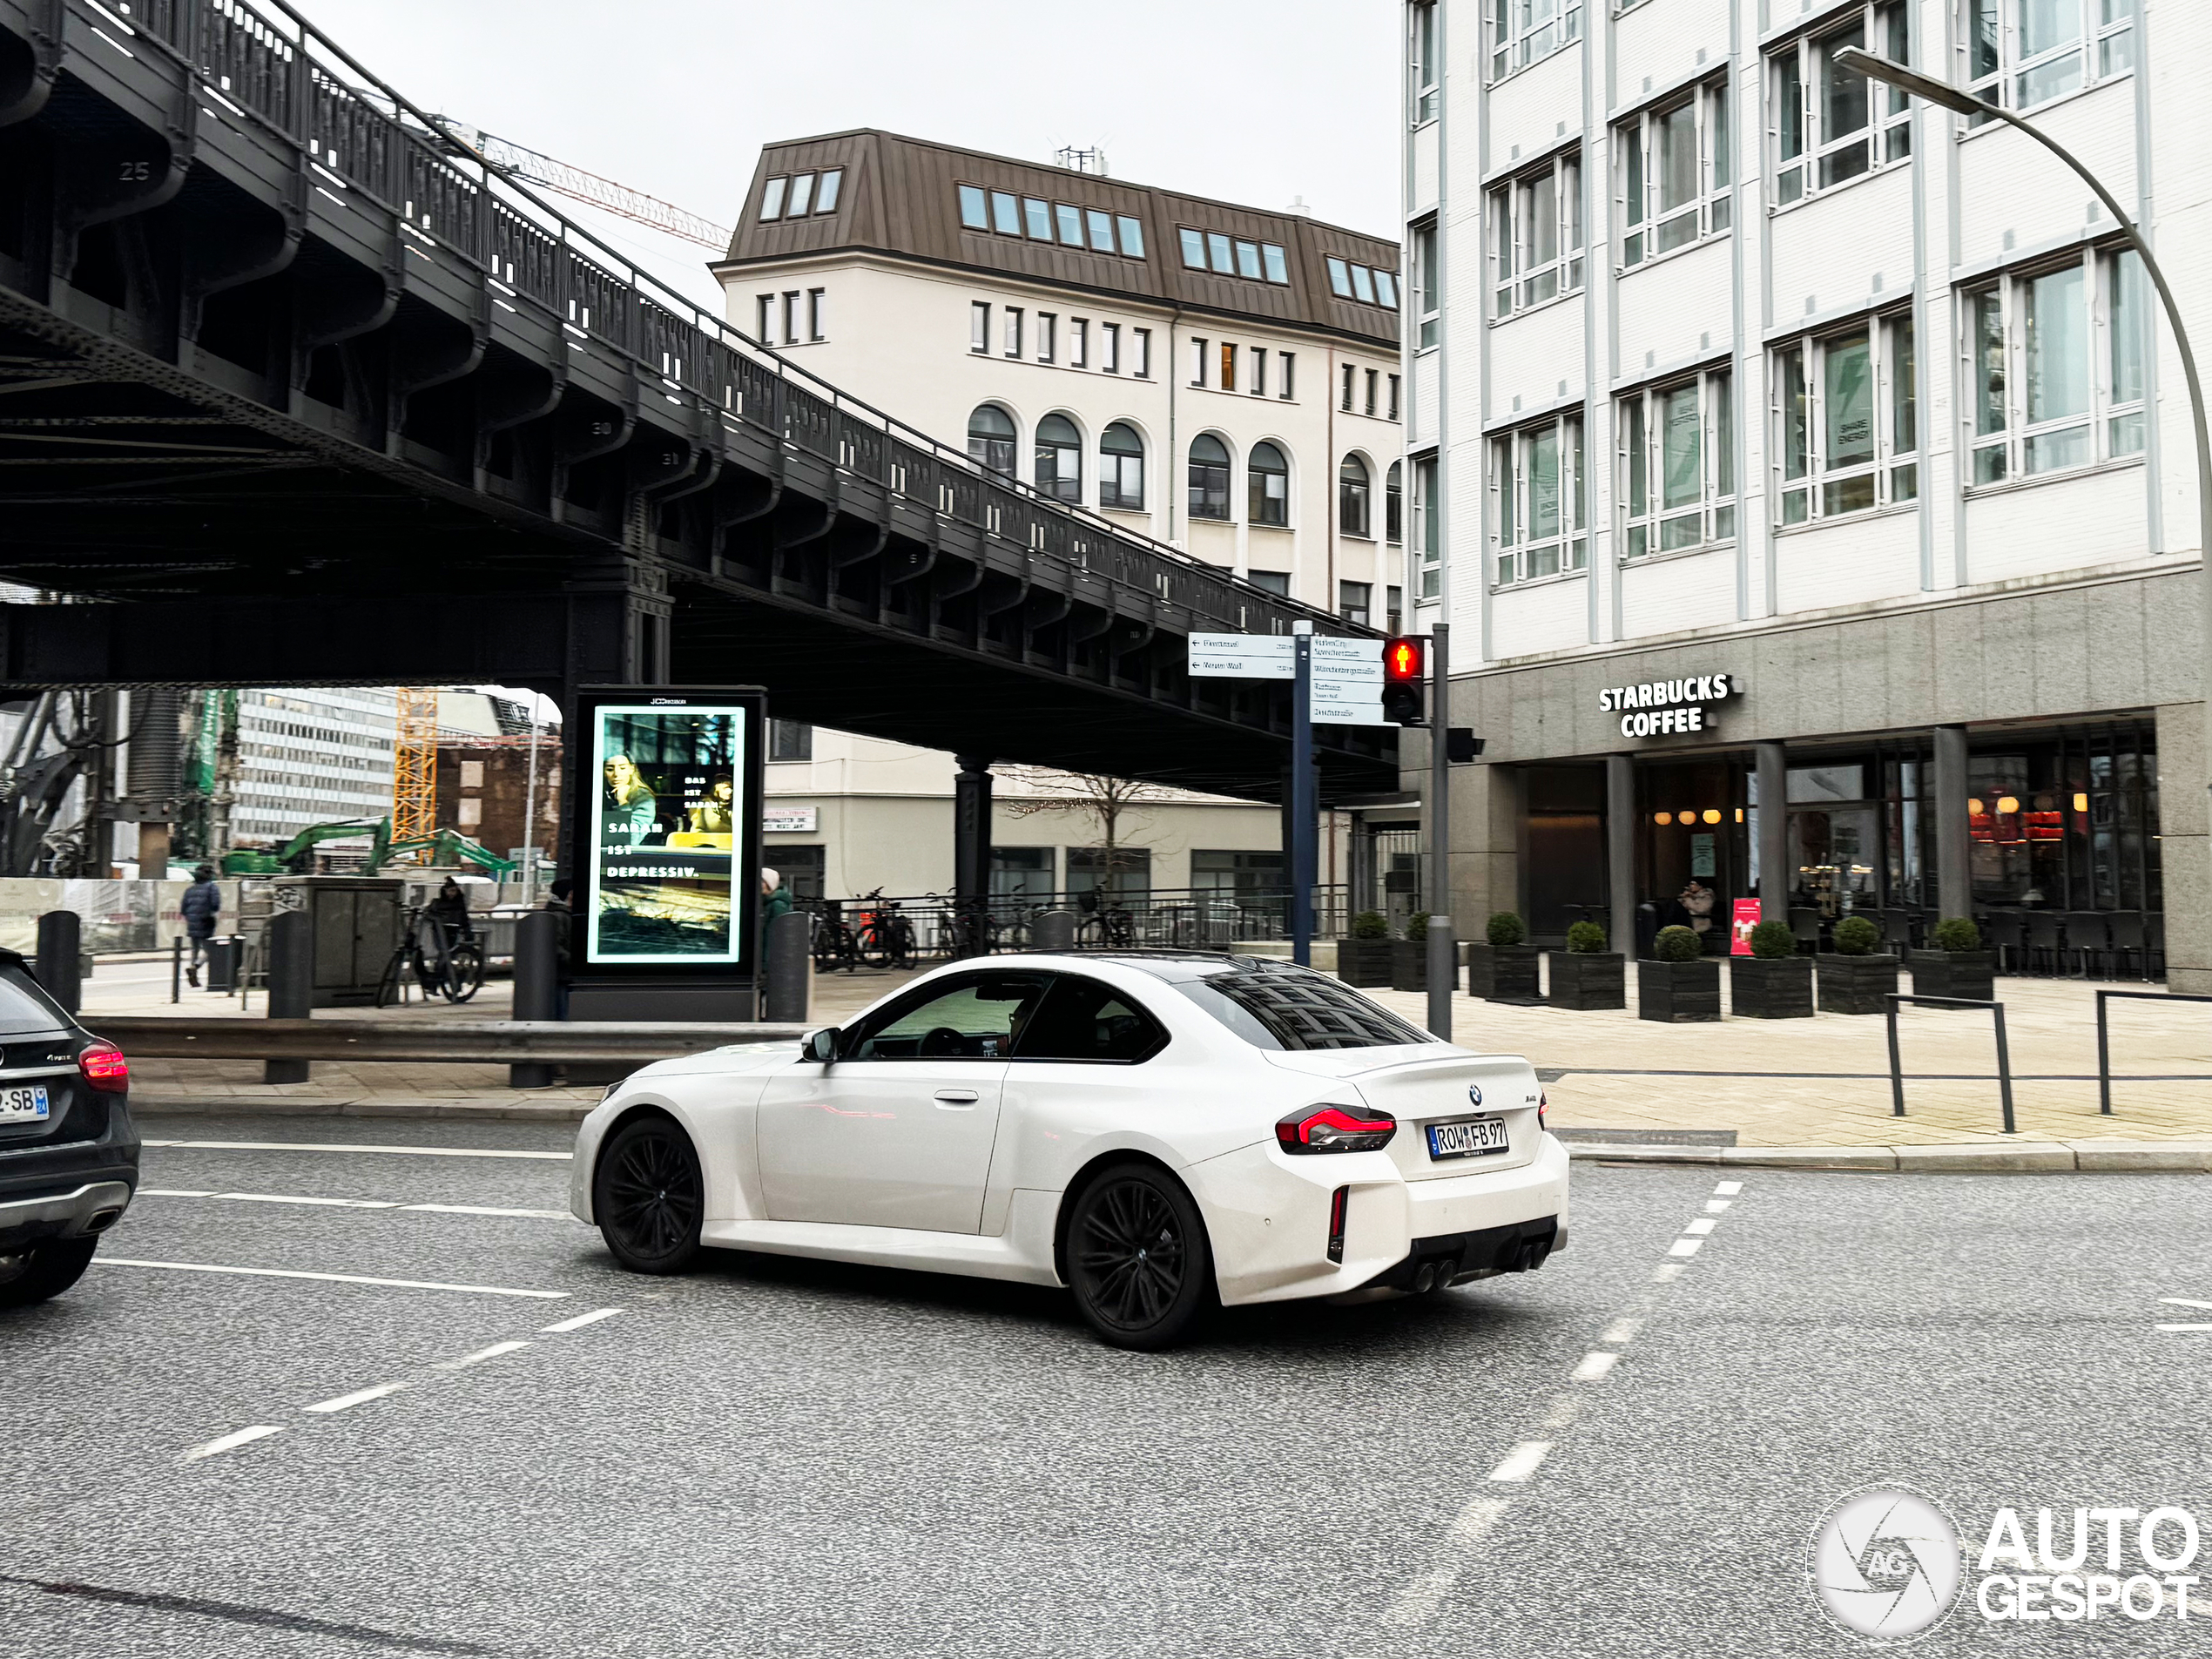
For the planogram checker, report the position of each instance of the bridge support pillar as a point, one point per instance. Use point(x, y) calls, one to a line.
point(972, 852)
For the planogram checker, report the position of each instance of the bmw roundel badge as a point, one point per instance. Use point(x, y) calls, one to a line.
point(1475, 1093)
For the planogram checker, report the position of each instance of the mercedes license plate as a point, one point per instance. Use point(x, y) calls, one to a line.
point(25, 1103)
point(1471, 1137)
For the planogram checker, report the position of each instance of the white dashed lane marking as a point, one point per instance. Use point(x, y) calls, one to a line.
point(358, 1397)
point(1595, 1366)
point(232, 1441)
point(480, 1356)
point(333, 1278)
point(1522, 1463)
point(355, 1203)
point(580, 1321)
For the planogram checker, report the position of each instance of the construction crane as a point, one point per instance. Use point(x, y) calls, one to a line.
point(588, 187)
point(415, 764)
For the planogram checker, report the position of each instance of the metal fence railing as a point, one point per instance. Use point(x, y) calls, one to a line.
point(1896, 1065)
point(2104, 1034)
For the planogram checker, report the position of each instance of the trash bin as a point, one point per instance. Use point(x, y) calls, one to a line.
point(223, 957)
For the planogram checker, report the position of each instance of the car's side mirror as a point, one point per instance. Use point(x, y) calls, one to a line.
point(820, 1046)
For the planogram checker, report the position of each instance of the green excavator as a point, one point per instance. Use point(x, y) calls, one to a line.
point(446, 848)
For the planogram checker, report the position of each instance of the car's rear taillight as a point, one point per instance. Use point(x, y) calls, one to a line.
point(1339, 1203)
point(1543, 1111)
point(1336, 1129)
point(103, 1068)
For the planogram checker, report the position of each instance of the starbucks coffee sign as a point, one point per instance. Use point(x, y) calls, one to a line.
point(1657, 708)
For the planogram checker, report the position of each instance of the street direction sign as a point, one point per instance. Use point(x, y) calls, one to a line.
point(1347, 674)
point(1247, 657)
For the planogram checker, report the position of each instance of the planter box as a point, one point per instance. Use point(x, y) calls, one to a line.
point(1855, 984)
point(1771, 988)
point(1971, 974)
point(1409, 964)
point(1504, 974)
point(1363, 961)
point(1678, 993)
point(1598, 980)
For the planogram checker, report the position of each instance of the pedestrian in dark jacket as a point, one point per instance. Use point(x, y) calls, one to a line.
point(450, 908)
point(201, 905)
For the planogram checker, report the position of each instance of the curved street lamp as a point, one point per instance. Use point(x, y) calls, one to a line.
point(1860, 61)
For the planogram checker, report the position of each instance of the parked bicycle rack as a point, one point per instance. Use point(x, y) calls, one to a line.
point(1896, 1063)
point(2104, 1035)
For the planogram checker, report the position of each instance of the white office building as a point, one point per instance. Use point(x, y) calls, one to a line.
point(312, 756)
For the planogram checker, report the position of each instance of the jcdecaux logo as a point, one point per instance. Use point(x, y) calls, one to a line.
point(1888, 1564)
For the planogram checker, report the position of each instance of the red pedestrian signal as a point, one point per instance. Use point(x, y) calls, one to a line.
point(1405, 697)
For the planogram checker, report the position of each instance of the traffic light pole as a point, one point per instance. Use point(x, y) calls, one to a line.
point(1443, 949)
point(1305, 840)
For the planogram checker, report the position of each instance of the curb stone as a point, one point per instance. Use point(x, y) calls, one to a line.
point(1969, 1158)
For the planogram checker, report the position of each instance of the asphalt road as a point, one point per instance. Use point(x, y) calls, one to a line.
point(779, 1458)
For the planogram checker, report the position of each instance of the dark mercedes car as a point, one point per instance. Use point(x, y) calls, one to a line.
point(69, 1156)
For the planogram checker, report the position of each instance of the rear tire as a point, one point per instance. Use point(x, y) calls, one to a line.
point(1137, 1258)
point(648, 1197)
point(53, 1267)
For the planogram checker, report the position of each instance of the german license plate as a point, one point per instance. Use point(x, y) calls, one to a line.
point(26, 1104)
point(1471, 1137)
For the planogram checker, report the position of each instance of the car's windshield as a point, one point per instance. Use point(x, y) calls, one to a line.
point(1292, 1007)
point(25, 1010)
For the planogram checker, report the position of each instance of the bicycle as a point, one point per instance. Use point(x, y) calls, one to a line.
point(885, 938)
point(451, 968)
point(1112, 929)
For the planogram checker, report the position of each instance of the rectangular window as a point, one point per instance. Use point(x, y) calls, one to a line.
point(1394, 383)
point(973, 214)
point(1374, 382)
point(1674, 174)
point(1340, 279)
point(1078, 342)
point(1538, 501)
point(1351, 380)
point(1273, 262)
point(1006, 213)
point(1197, 362)
point(1847, 422)
point(1218, 256)
point(772, 198)
point(1276, 581)
point(2020, 53)
point(827, 192)
point(1228, 366)
point(1141, 353)
point(1355, 602)
point(1830, 125)
point(790, 318)
point(1037, 219)
point(1394, 610)
point(1536, 236)
point(1363, 284)
point(1101, 231)
point(790, 741)
point(802, 195)
point(1427, 527)
point(818, 313)
point(1047, 336)
point(1109, 348)
point(1290, 375)
point(1194, 249)
point(1429, 291)
point(2057, 367)
point(1132, 232)
point(764, 320)
point(1012, 337)
point(1394, 506)
point(1387, 289)
point(1248, 260)
point(1259, 371)
point(979, 326)
point(1423, 61)
point(1525, 31)
point(1071, 220)
point(1678, 464)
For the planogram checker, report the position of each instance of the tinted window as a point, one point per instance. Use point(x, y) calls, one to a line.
point(1193, 250)
point(1083, 1019)
point(971, 208)
point(1132, 236)
point(1292, 1008)
point(25, 1009)
point(973, 1019)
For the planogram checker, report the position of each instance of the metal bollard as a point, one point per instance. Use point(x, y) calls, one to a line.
point(537, 987)
point(291, 984)
point(788, 967)
point(61, 963)
point(1053, 930)
point(177, 969)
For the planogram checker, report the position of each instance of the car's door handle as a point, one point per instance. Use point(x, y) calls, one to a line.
point(956, 1098)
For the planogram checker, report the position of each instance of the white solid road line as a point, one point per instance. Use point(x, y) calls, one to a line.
point(2185, 1327)
point(1522, 1463)
point(1728, 1189)
point(228, 1442)
point(331, 1146)
point(334, 1278)
point(334, 1204)
point(1685, 1246)
point(358, 1397)
point(580, 1321)
point(358, 1204)
point(1595, 1363)
point(489, 1209)
point(1700, 1227)
point(480, 1356)
point(2183, 1302)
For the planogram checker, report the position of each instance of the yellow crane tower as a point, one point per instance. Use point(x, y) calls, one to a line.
point(415, 764)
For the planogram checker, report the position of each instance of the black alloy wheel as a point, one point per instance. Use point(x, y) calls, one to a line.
point(1137, 1258)
point(648, 1197)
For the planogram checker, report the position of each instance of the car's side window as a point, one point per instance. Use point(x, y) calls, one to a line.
point(970, 1019)
point(1084, 1019)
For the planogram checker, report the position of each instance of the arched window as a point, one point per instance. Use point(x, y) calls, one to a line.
point(1351, 496)
point(1209, 477)
point(1121, 468)
point(990, 438)
point(1269, 476)
point(1060, 459)
point(1394, 504)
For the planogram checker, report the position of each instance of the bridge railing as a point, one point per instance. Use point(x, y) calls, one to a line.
point(369, 141)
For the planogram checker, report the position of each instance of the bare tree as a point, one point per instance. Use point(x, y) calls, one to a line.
point(1105, 806)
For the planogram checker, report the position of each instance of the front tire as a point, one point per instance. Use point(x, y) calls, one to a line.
point(648, 1197)
point(51, 1269)
point(1138, 1260)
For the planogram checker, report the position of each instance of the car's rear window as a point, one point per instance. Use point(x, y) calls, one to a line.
point(1296, 1009)
point(25, 1010)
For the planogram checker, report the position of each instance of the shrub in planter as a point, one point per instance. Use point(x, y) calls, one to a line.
point(1683, 984)
point(1505, 969)
point(1856, 936)
point(1773, 982)
point(1586, 976)
point(1409, 955)
point(1957, 965)
point(1363, 955)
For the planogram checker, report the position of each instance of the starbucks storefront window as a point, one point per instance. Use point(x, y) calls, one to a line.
point(2067, 820)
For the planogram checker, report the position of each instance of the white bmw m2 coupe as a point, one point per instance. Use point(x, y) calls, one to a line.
point(1152, 1130)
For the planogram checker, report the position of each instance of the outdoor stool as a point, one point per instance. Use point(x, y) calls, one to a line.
point(2089, 938)
point(2129, 941)
point(2006, 933)
point(2043, 940)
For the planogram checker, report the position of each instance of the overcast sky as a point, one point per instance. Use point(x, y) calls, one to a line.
point(1257, 101)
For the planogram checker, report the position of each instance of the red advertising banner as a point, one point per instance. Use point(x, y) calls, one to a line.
point(1745, 918)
